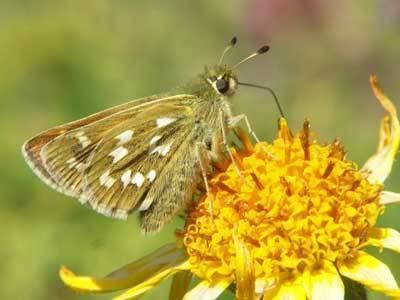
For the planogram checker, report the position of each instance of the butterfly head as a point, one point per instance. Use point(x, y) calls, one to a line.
point(222, 79)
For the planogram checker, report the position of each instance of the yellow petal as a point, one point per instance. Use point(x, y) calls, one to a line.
point(179, 285)
point(325, 283)
point(380, 164)
point(245, 278)
point(389, 197)
point(384, 237)
point(207, 291)
point(130, 275)
point(291, 292)
point(292, 289)
point(370, 272)
point(151, 282)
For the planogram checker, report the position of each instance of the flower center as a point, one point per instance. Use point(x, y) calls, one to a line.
point(294, 204)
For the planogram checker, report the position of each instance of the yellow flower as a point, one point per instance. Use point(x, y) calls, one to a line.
point(288, 226)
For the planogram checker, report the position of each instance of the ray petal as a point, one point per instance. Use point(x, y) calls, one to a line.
point(389, 197)
point(206, 290)
point(151, 282)
point(385, 238)
point(370, 272)
point(290, 289)
point(165, 258)
point(326, 284)
point(379, 165)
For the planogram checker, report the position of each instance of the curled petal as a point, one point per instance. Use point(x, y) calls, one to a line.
point(370, 272)
point(389, 197)
point(385, 238)
point(165, 258)
point(325, 283)
point(151, 282)
point(379, 165)
point(207, 291)
point(245, 278)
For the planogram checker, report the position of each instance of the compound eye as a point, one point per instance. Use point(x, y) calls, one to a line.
point(222, 85)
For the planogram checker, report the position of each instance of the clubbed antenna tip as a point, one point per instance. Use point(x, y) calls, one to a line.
point(233, 41)
point(231, 45)
point(263, 49)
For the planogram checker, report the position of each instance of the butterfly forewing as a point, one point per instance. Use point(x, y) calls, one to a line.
point(56, 152)
point(113, 161)
point(32, 149)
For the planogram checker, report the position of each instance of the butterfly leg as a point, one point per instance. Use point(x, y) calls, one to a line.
point(225, 142)
point(204, 159)
point(234, 121)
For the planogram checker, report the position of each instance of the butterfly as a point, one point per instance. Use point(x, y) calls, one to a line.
point(148, 154)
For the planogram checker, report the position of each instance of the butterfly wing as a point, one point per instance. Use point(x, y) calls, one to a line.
point(137, 157)
point(136, 167)
point(31, 150)
point(60, 155)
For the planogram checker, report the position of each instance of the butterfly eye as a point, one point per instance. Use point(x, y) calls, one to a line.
point(222, 85)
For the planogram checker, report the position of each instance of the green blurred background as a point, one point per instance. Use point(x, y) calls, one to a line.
point(62, 60)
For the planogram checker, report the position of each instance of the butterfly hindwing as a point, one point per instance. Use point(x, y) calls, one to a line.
point(166, 198)
point(121, 171)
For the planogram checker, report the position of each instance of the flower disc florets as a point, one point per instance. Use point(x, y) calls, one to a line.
point(293, 204)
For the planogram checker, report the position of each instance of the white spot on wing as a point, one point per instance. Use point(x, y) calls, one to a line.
point(161, 122)
point(71, 162)
point(106, 180)
point(104, 210)
point(151, 175)
point(120, 214)
point(118, 154)
point(163, 149)
point(80, 166)
point(138, 179)
point(146, 204)
point(83, 139)
point(126, 177)
point(155, 139)
point(125, 136)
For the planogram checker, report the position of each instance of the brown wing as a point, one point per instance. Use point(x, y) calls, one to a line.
point(76, 140)
point(31, 149)
point(120, 175)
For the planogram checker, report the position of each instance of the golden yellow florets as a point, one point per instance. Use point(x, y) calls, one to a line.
point(294, 204)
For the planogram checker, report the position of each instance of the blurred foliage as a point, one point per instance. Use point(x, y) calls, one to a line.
point(62, 60)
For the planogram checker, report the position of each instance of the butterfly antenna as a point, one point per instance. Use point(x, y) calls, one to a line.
point(266, 88)
point(230, 46)
point(262, 50)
